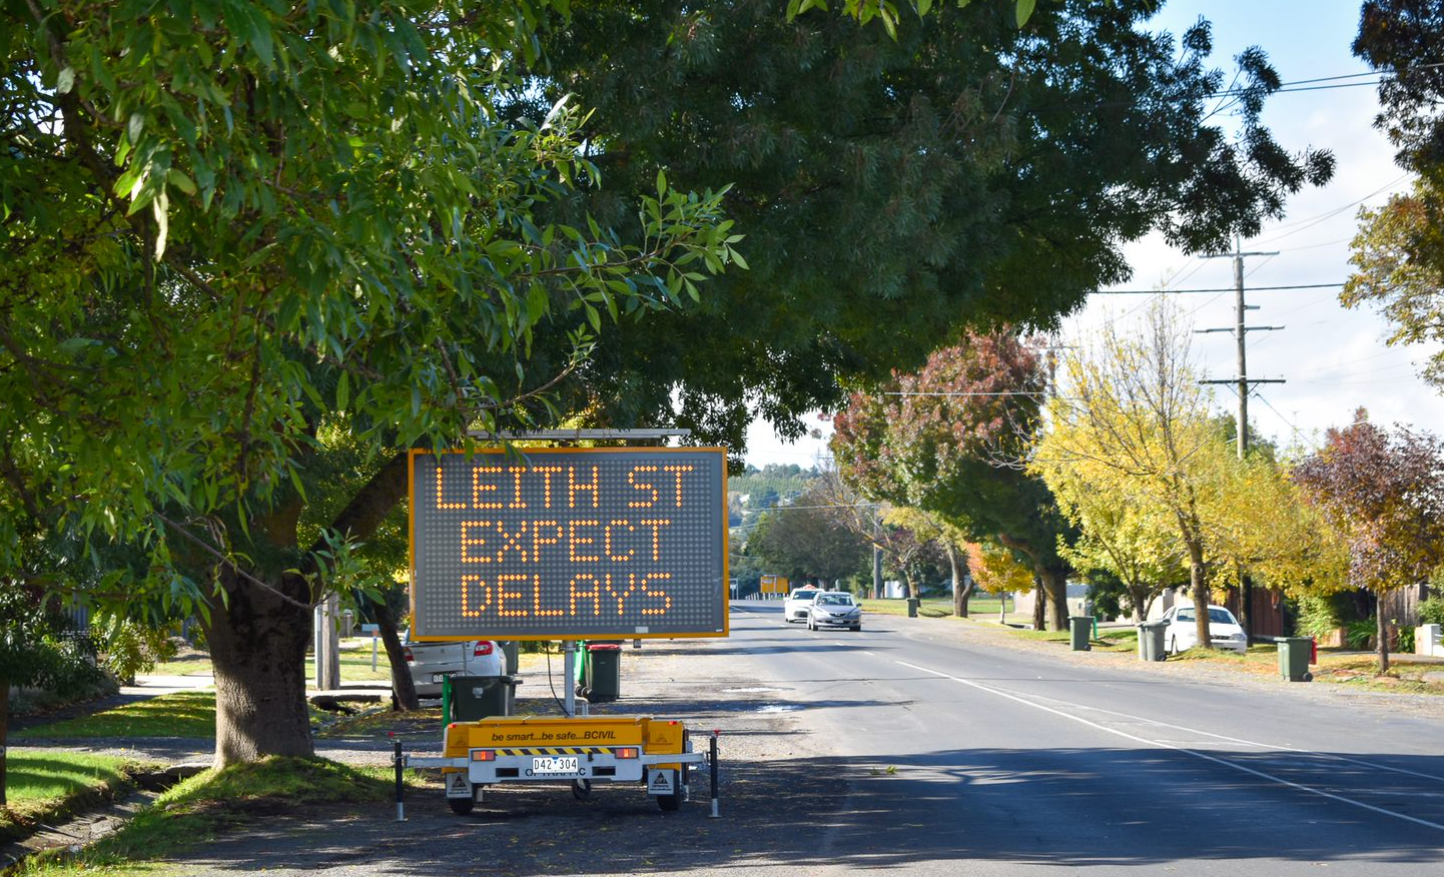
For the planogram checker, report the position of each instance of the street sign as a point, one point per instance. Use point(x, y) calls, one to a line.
point(565, 543)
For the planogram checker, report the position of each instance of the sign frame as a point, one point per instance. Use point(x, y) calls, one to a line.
point(724, 585)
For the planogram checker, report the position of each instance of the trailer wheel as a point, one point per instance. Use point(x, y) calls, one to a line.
point(461, 806)
point(582, 789)
point(670, 803)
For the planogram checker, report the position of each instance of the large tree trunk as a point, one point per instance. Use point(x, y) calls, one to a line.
point(1055, 582)
point(962, 584)
point(1382, 634)
point(402, 685)
point(1040, 604)
point(1199, 582)
point(258, 648)
point(1136, 595)
point(4, 734)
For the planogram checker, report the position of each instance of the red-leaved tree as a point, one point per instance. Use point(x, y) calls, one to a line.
point(949, 438)
point(1384, 490)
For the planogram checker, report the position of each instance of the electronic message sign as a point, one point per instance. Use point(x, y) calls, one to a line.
point(569, 544)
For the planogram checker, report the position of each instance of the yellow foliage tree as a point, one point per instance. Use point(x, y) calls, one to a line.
point(1132, 424)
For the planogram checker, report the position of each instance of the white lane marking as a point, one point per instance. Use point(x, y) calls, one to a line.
point(1326, 755)
point(1194, 752)
point(838, 643)
point(871, 654)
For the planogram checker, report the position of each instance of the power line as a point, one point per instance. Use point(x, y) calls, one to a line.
point(1213, 289)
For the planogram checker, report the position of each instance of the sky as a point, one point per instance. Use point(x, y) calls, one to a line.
point(1333, 360)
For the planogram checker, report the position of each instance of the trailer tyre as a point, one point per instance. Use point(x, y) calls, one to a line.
point(461, 806)
point(670, 803)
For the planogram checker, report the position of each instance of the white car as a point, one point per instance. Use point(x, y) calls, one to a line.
point(1182, 631)
point(834, 609)
point(429, 661)
point(795, 607)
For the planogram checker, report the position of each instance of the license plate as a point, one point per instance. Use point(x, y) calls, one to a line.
point(561, 766)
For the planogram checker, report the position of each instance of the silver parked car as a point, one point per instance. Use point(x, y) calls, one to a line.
point(834, 609)
point(430, 661)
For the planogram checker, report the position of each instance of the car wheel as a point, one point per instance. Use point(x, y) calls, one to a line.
point(811, 625)
point(857, 629)
point(461, 806)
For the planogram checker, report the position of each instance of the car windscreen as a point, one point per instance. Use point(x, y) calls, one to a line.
point(1221, 616)
point(1185, 615)
point(803, 595)
point(834, 600)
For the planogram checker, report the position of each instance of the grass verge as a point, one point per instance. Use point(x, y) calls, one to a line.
point(46, 787)
point(182, 714)
point(206, 805)
point(1110, 640)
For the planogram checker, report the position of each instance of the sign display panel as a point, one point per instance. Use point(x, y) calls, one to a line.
point(569, 544)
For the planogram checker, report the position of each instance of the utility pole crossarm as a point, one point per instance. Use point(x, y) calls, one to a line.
point(1242, 383)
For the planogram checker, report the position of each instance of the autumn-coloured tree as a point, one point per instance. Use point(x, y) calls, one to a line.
point(949, 440)
point(997, 570)
point(1132, 543)
point(1132, 420)
point(1384, 490)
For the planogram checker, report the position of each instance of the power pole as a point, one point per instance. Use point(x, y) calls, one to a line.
point(1241, 383)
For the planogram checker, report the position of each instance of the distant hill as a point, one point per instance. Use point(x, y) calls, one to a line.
point(771, 484)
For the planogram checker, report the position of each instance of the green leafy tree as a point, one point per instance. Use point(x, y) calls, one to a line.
point(805, 541)
point(239, 239)
point(964, 174)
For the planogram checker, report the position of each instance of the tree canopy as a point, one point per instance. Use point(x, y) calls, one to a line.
point(967, 172)
point(239, 240)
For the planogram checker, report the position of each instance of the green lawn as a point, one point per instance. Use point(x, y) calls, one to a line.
point(42, 785)
point(195, 810)
point(355, 663)
point(933, 607)
point(182, 714)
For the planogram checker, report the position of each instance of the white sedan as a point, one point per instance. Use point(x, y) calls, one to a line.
point(1182, 631)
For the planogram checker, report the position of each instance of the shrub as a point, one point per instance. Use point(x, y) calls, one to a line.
point(1431, 611)
point(1404, 642)
point(1358, 633)
point(1318, 617)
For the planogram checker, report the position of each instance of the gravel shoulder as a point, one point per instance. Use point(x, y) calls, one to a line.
point(541, 830)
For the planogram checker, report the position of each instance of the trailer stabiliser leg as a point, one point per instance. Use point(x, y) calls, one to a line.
point(400, 784)
point(713, 761)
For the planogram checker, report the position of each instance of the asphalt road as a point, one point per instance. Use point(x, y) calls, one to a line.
point(964, 757)
point(924, 747)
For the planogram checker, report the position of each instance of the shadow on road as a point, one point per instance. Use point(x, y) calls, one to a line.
point(1069, 807)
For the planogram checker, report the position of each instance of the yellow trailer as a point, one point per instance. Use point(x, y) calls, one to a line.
point(582, 751)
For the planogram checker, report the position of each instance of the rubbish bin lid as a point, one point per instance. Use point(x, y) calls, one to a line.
point(604, 647)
